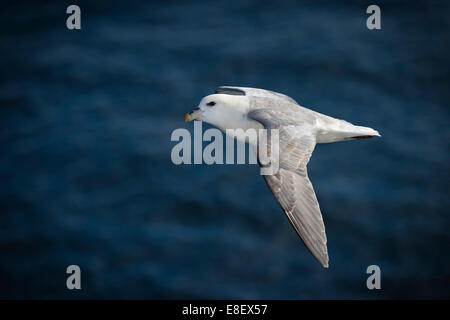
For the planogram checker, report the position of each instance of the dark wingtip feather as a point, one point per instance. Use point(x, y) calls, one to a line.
point(362, 137)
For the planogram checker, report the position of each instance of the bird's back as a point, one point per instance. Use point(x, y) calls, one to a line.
point(285, 111)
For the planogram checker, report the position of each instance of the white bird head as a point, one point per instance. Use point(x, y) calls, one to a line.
point(221, 110)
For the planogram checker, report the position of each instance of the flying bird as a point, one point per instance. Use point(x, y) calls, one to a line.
point(299, 130)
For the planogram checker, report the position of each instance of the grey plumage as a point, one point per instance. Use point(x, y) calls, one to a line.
point(291, 185)
point(299, 130)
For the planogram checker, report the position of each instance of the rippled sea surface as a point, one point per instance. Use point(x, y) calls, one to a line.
point(86, 175)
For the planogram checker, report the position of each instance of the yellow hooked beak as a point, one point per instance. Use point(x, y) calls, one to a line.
point(195, 114)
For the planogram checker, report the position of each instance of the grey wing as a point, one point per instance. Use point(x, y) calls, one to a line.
point(291, 185)
point(278, 107)
point(253, 92)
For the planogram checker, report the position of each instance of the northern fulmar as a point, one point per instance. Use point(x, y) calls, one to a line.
point(299, 129)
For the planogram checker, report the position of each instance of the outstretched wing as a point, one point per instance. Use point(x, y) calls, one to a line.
point(291, 185)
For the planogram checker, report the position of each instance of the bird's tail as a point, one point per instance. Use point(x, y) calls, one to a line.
point(333, 130)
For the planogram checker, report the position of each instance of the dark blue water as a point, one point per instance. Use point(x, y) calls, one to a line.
point(87, 179)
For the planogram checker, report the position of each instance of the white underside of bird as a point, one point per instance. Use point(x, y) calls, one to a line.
point(299, 130)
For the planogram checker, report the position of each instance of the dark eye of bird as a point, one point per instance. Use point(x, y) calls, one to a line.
point(210, 104)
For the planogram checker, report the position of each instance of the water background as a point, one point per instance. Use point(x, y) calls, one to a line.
point(85, 170)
